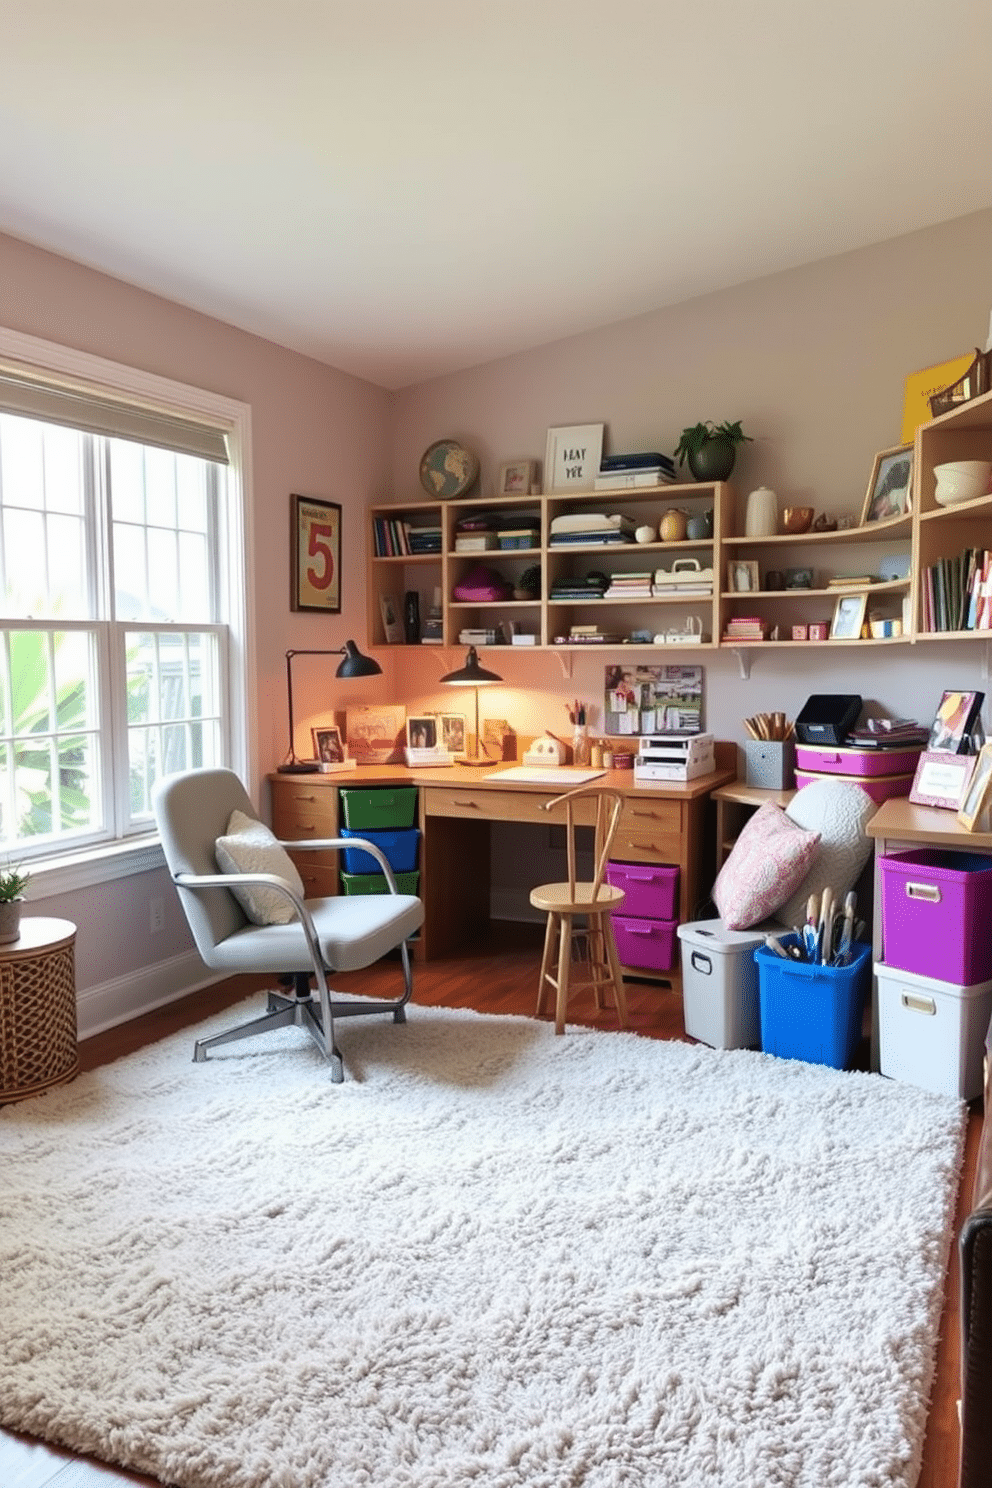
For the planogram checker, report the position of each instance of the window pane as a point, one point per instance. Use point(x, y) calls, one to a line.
point(173, 707)
point(22, 463)
point(49, 786)
point(127, 480)
point(160, 486)
point(179, 499)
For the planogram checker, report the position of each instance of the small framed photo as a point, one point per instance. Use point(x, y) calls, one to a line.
point(421, 733)
point(452, 727)
point(849, 616)
point(978, 795)
point(315, 543)
point(941, 779)
point(798, 578)
point(515, 478)
point(327, 746)
point(572, 456)
point(742, 576)
point(888, 492)
point(954, 721)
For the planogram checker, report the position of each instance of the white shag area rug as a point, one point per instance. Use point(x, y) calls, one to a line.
point(491, 1257)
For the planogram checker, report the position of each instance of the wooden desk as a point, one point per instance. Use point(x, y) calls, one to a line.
point(456, 805)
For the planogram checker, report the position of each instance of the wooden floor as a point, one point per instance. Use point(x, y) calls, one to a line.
point(497, 977)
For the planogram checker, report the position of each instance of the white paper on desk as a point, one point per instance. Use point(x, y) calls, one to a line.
point(547, 775)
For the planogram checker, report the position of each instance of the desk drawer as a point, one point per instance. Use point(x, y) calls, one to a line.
point(300, 811)
point(646, 815)
point(645, 846)
point(319, 872)
point(483, 804)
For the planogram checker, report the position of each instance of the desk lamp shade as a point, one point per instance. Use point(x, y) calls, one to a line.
point(353, 665)
point(473, 675)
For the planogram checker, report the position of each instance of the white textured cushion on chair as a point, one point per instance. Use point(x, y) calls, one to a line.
point(249, 847)
point(839, 810)
point(771, 855)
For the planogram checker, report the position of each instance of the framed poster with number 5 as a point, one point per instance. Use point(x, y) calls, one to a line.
point(315, 537)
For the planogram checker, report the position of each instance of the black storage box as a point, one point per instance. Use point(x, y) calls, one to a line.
point(827, 717)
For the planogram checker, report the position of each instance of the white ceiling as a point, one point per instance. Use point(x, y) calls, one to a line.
point(403, 188)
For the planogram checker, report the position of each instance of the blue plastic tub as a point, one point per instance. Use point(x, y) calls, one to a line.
point(400, 848)
point(812, 1012)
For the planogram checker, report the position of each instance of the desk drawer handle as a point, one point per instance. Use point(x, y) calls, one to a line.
point(919, 1004)
point(929, 892)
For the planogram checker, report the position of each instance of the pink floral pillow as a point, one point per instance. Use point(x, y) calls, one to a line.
point(768, 862)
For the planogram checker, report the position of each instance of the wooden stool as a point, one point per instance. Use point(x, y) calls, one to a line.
point(594, 902)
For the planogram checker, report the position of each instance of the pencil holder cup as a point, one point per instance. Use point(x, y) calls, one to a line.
point(770, 764)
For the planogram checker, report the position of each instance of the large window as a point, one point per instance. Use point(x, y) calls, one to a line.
point(121, 615)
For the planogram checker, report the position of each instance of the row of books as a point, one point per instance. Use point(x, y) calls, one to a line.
point(394, 538)
point(957, 592)
point(746, 628)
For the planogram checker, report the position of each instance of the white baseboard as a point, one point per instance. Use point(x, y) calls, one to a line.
point(103, 1007)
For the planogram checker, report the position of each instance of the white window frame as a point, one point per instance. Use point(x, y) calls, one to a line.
point(64, 872)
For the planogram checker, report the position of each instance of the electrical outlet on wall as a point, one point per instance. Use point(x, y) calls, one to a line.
point(156, 915)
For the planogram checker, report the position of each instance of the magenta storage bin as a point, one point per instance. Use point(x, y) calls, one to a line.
point(646, 943)
point(831, 759)
point(936, 911)
point(400, 848)
point(651, 888)
point(879, 787)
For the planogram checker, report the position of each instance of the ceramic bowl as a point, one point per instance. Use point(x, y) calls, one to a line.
point(961, 480)
point(797, 518)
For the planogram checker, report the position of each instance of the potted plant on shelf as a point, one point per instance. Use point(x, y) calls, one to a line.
point(12, 885)
point(710, 449)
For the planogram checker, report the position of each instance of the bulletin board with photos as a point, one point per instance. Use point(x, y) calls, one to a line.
point(653, 700)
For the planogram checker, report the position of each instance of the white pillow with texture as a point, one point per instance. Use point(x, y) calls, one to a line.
point(839, 810)
point(249, 847)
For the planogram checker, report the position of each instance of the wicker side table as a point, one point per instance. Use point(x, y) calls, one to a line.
point(38, 1046)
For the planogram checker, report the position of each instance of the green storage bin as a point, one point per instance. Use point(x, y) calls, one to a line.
point(381, 806)
point(375, 883)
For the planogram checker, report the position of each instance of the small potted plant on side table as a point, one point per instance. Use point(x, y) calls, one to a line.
point(710, 449)
point(12, 885)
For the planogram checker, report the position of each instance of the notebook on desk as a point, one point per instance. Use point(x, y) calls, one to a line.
point(546, 775)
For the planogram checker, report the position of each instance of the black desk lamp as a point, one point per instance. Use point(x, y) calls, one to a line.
point(354, 665)
point(475, 676)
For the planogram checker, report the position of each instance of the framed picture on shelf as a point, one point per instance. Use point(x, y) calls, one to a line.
point(941, 779)
point(421, 732)
point(956, 716)
point(515, 478)
point(849, 616)
point(315, 544)
point(392, 626)
point(888, 493)
point(978, 796)
point(375, 734)
point(742, 576)
point(572, 456)
point(327, 746)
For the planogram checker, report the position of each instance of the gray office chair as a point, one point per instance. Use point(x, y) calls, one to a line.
point(341, 933)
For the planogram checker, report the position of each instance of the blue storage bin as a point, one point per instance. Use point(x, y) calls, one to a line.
point(812, 1012)
point(400, 848)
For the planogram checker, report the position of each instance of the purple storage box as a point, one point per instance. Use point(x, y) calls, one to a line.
point(831, 759)
point(400, 848)
point(651, 888)
point(879, 787)
point(646, 943)
point(936, 910)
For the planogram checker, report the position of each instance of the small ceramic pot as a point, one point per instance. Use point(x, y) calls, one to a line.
point(644, 535)
point(700, 526)
point(761, 514)
point(673, 525)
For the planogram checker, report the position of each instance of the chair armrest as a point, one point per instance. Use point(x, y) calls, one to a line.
point(345, 842)
point(270, 881)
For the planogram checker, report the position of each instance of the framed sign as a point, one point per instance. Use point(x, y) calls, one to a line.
point(942, 779)
point(315, 542)
point(572, 456)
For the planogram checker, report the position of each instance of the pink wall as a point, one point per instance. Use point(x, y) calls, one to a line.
point(315, 431)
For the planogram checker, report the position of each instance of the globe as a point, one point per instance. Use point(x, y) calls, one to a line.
point(448, 469)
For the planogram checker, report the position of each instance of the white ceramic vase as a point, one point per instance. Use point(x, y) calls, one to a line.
point(761, 514)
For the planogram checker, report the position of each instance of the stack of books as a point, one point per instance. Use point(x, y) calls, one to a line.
point(475, 542)
point(746, 628)
point(478, 637)
point(957, 592)
point(630, 586)
point(517, 537)
point(423, 539)
point(889, 733)
point(587, 635)
point(627, 472)
point(590, 528)
point(395, 538)
point(578, 589)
